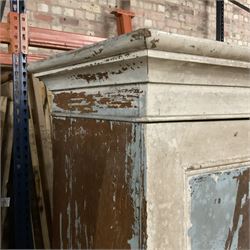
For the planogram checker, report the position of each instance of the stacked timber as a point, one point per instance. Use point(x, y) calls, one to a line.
point(41, 160)
point(6, 102)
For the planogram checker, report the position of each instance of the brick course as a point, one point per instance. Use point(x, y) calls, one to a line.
point(189, 17)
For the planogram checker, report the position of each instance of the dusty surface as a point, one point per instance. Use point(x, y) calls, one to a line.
point(98, 187)
point(189, 165)
point(184, 103)
point(220, 210)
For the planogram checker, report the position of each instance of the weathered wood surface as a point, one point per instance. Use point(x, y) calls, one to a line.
point(38, 185)
point(43, 137)
point(3, 110)
point(7, 90)
point(180, 157)
point(41, 229)
point(188, 99)
point(6, 153)
point(156, 84)
point(98, 188)
point(144, 39)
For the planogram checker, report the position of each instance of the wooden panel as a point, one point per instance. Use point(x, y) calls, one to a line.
point(109, 101)
point(155, 102)
point(3, 110)
point(6, 154)
point(219, 210)
point(98, 186)
point(7, 90)
point(204, 83)
point(38, 185)
point(37, 95)
point(178, 152)
point(123, 69)
point(197, 70)
point(197, 102)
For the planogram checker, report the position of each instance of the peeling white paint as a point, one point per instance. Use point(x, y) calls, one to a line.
point(77, 226)
point(215, 177)
point(236, 234)
point(68, 186)
point(84, 204)
point(243, 200)
point(174, 89)
point(69, 238)
point(133, 151)
point(213, 204)
point(60, 230)
point(86, 236)
point(59, 117)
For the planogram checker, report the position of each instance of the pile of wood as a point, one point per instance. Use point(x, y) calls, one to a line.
point(40, 131)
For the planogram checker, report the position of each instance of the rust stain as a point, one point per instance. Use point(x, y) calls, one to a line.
point(90, 103)
point(154, 42)
point(243, 210)
point(102, 212)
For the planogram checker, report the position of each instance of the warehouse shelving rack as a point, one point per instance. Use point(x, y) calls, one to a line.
point(19, 37)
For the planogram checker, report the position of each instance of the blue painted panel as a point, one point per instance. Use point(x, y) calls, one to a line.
point(220, 210)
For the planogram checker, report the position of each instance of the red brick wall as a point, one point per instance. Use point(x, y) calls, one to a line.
point(189, 17)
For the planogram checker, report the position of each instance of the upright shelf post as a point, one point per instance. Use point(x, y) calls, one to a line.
point(220, 20)
point(21, 153)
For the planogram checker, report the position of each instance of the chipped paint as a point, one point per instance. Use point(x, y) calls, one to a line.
point(101, 73)
point(119, 190)
point(154, 42)
point(143, 33)
point(77, 226)
point(242, 209)
point(69, 226)
point(118, 100)
point(86, 236)
point(92, 77)
point(219, 215)
point(60, 230)
point(103, 205)
point(135, 182)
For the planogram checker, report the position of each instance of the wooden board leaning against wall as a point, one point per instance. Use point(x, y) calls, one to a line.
point(41, 158)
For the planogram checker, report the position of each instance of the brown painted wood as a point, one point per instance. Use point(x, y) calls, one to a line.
point(93, 204)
